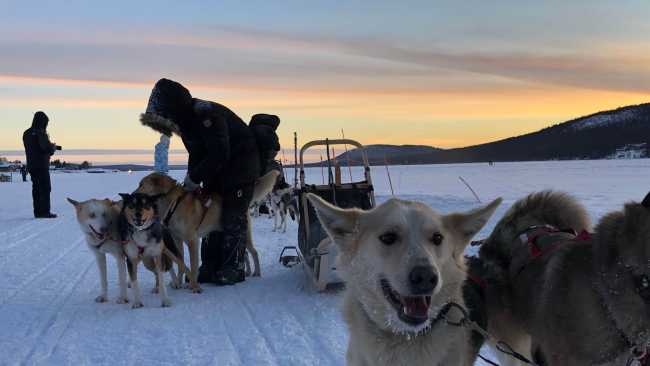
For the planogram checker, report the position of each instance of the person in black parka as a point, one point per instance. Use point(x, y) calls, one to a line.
point(224, 157)
point(23, 172)
point(38, 150)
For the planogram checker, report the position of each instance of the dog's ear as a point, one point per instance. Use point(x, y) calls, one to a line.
point(340, 224)
point(126, 197)
point(73, 202)
point(646, 201)
point(468, 224)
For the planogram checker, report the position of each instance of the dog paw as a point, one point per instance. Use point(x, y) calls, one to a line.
point(154, 290)
point(122, 300)
point(166, 303)
point(197, 290)
point(175, 285)
point(257, 274)
point(137, 305)
point(100, 299)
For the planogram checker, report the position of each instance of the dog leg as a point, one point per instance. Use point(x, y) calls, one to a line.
point(160, 281)
point(247, 264)
point(101, 265)
point(251, 249)
point(275, 220)
point(194, 266)
point(175, 283)
point(181, 256)
point(156, 288)
point(121, 278)
point(133, 275)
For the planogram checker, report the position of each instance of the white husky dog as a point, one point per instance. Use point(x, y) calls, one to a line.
point(98, 220)
point(403, 263)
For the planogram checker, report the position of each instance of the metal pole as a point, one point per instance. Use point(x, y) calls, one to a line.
point(347, 156)
point(390, 181)
point(295, 160)
point(330, 177)
point(284, 161)
point(322, 169)
point(470, 188)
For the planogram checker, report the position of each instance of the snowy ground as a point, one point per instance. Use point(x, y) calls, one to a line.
point(48, 279)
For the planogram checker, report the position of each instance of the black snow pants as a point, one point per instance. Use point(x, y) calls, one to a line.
point(225, 251)
point(41, 188)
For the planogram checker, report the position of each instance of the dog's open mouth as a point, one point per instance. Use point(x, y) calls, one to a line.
point(97, 234)
point(413, 310)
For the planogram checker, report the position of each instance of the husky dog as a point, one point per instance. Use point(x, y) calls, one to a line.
point(144, 236)
point(99, 221)
point(283, 202)
point(403, 264)
point(577, 300)
point(188, 219)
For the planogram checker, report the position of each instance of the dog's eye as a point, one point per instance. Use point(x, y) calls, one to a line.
point(437, 238)
point(92, 215)
point(389, 238)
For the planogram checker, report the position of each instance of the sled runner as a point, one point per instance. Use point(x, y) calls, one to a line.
point(315, 249)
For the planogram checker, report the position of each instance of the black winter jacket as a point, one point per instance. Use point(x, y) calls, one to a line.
point(38, 147)
point(222, 149)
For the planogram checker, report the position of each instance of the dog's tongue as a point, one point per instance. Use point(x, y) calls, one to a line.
point(416, 306)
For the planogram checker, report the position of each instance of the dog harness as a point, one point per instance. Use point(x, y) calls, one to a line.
point(544, 239)
point(541, 240)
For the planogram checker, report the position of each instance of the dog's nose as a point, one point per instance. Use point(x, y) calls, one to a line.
point(423, 279)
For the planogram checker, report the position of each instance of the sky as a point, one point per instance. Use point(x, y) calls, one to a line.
point(440, 73)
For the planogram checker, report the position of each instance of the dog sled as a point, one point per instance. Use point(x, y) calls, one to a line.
point(315, 250)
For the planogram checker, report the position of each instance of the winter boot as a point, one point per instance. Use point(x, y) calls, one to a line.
point(210, 258)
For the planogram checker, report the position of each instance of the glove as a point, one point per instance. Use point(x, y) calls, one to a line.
point(189, 185)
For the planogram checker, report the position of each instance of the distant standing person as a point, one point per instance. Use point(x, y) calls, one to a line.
point(161, 155)
point(23, 172)
point(38, 150)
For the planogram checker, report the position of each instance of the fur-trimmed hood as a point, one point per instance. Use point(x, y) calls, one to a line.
point(160, 124)
point(169, 107)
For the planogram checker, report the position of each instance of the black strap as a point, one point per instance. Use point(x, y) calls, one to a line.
point(171, 212)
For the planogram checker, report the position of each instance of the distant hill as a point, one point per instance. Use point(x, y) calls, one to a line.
point(136, 167)
point(595, 136)
point(395, 154)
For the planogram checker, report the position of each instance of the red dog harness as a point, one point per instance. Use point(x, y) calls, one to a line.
point(542, 240)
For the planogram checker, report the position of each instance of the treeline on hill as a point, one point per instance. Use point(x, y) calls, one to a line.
point(596, 136)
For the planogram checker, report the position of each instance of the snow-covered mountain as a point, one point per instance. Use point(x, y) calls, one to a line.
point(595, 136)
point(616, 116)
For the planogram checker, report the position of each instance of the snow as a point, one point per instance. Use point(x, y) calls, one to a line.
point(48, 278)
point(605, 119)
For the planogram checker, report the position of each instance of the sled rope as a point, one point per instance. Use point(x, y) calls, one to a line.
point(501, 346)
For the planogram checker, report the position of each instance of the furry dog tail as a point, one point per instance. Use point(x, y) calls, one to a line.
point(264, 185)
point(553, 208)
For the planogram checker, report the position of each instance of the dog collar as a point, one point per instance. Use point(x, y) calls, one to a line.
point(144, 227)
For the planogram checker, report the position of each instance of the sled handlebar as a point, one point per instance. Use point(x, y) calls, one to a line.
point(354, 143)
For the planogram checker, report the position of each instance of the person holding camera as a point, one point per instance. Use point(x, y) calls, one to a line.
point(38, 150)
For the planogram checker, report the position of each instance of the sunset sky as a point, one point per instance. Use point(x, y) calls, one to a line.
point(441, 73)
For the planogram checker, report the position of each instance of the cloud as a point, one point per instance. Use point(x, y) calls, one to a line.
point(241, 58)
